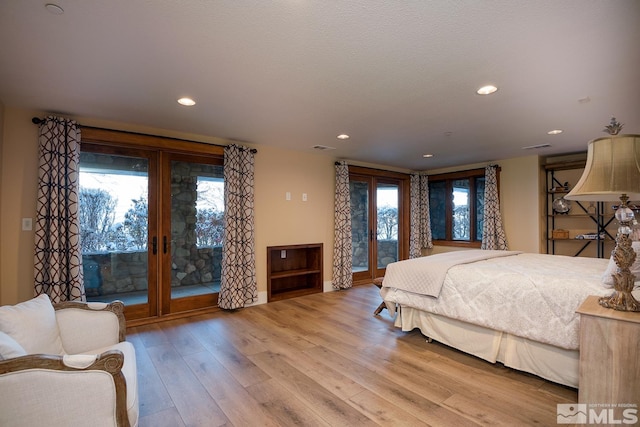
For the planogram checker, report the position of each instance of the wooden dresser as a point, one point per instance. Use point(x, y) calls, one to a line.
point(609, 355)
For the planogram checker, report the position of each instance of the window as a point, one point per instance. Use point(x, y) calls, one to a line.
point(456, 206)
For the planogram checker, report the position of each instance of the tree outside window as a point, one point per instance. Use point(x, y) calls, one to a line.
point(387, 223)
point(104, 227)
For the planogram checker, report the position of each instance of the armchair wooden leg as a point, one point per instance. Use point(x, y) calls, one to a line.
point(378, 282)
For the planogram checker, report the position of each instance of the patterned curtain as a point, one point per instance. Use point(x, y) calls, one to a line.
point(238, 282)
point(342, 249)
point(58, 259)
point(420, 221)
point(493, 236)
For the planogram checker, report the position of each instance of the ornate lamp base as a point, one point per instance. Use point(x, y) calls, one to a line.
point(622, 301)
point(623, 280)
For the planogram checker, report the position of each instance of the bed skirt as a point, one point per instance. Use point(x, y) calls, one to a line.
point(544, 360)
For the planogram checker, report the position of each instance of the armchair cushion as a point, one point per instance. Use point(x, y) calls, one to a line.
point(9, 348)
point(32, 324)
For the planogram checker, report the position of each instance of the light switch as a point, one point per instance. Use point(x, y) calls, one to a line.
point(287, 195)
point(304, 197)
point(283, 253)
point(27, 224)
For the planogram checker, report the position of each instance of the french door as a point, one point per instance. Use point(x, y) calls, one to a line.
point(192, 229)
point(151, 224)
point(378, 228)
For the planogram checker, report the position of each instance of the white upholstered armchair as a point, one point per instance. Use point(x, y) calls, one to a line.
point(66, 366)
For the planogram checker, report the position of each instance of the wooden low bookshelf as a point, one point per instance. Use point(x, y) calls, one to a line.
point(293, 270)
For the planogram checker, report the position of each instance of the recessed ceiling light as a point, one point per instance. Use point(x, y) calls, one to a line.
point(486, 90)
point(343, 136)
point(555, 132)
point(186, 101)
point(427, 156)
point(54, 9)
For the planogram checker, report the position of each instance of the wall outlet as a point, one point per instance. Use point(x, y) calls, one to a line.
point(27, 224)
point(283, 253)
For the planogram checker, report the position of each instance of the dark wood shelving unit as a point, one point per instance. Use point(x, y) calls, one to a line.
point(599, 220)
point(293, 270)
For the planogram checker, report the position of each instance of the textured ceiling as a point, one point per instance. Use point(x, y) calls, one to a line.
point(398, 76)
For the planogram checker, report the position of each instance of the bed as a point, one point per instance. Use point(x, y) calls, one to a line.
point(502, 306)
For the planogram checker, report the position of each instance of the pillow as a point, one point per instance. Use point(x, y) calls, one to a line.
point(32, 324)
point(9, 348)
point(612, 268)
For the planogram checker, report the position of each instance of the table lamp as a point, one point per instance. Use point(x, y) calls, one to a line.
point(612, 173)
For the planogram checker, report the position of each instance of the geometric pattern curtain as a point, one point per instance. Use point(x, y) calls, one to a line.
point(342, 246)
point(57, 258)
point(420, 220)
point(238, 285)
point(493, 236)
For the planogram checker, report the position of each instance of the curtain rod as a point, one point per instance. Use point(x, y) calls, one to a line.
point(38, 121)
point(495, 166)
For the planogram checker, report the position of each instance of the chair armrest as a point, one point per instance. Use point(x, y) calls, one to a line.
point(35, 384)
point(110, 361)
point(88, 326)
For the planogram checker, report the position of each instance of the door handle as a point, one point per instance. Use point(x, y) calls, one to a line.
point(154, 245)
point(164, 244)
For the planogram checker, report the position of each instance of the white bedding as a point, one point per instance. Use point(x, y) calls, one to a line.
point(534, 296)
point(425, 275)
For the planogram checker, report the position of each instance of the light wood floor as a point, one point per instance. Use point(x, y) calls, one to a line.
point(324, 359)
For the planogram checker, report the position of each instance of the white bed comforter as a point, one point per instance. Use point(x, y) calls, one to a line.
point(530, 295)
point(425, 275)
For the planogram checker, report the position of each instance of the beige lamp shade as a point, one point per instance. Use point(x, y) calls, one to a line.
point(612, 169)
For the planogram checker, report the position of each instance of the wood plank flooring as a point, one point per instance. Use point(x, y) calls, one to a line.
point(324, 360)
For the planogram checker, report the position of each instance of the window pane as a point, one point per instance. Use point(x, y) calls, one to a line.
point(479, 207)
point(437, 209)
point(210, 207)
point(461, 226)
point(197, 211)
point(359, 194)
point(387, 220)
point(113, 227)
